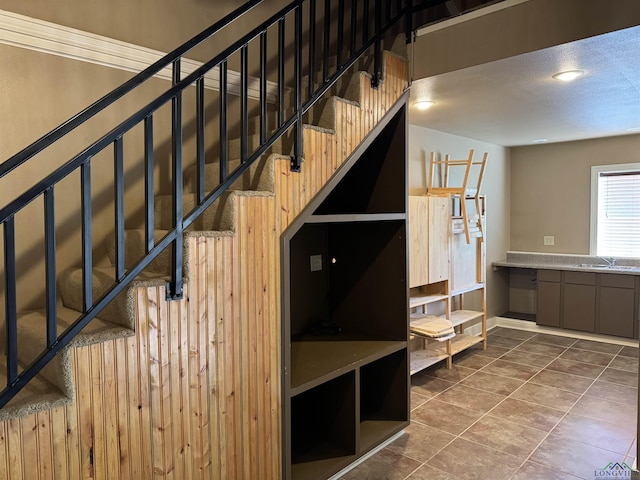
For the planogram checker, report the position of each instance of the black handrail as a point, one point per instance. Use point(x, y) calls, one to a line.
point(386, 16)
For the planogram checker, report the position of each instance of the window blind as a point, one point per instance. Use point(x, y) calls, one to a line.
point(618, 231)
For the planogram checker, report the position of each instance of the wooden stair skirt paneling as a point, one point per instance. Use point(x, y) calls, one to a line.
point(196, 392)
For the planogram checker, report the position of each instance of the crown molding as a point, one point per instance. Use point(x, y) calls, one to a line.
point(38, 35)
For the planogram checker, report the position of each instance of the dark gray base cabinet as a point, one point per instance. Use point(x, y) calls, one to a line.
point(589, 302)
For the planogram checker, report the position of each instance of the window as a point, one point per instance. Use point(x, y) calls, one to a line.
point(615, 210)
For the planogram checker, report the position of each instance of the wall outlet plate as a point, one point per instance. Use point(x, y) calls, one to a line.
point(315, 262)
point(549, 240)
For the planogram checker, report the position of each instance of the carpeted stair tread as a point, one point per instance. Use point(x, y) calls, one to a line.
point(135, 242)
point(37, 395)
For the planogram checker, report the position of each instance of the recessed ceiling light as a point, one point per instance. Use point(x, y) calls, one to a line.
point(540, 140)
point(423, 104)
point(633, 129)
point(568, 75)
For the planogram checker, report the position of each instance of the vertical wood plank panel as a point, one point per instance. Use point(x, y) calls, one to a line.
point(144, 380)
point(29, 428)
point(59, 444)
point(97, 399)
point(4, 451)
point(45, 444)
point(111, 400)
point(15, 457)
point(126, 428)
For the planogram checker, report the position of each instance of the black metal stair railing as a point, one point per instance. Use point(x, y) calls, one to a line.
point(368, 23)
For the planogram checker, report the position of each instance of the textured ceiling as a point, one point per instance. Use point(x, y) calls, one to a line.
point(515, 101)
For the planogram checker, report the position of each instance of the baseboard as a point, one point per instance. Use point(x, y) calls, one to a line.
point(533, 327)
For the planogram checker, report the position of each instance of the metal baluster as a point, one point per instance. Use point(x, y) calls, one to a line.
point(340, 33)
point(148, 183)
point(224, 140)
point(118, 187)
point(365, 22)
point(377, 55)
point(387, 11)
point(10, 299)
point(312, 46)
point(244, 108)
point(281, 26)
point(50, 266)
point(354, 25)
point(297, 159)
point(200, 153)
point(174, 290)
point(408, 21)
point(87, 237)
point(326, 41)
point(263, 87)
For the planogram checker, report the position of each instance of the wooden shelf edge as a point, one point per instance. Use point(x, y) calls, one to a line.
point(467, 289)
point(460, 317)
point(356, 217)
point(461, 342)
point(421, 359)
point(420, 300)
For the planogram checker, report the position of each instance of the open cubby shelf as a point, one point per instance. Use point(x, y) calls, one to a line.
point(345, 327)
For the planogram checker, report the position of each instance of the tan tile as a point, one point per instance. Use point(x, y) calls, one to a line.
point(547, 396)
point(417, 399)
point(511, 370)
point(504, 342)
point(563, 381)
point(514, 333)
point(628, 364)
point(596, 433)
point(541, 348)
point(527, 414)
point(605, 410)
point(505, 436)
point(492, 383)
point(444, 416)
point(528, 358)
point(428, 385)
point(427, 472)
point(575, 368)
point(471, 398)
point(492, 351)
point(597, 346)
point(535, 471)
point(614, 392)
point(621, 377)
point(587, 356)
point(453, 374)
point(469, 460)
point(420, 442)
point(472, 360)
point(553, 339)
point(385, 465)
point(629, 352)
point(573, 457)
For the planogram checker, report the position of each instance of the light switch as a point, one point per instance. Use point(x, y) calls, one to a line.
point(316, 263)
point(549, 240)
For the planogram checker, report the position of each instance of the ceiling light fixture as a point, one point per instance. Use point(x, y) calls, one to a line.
point(423, 104)
point(633, 129)
point(540, 140)
point(569, 75)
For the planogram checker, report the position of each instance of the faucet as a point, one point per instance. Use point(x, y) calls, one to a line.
point(610, 261)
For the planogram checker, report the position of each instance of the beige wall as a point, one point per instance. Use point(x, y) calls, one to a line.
point(523, 28)
point(496, 186)
point(551, 190)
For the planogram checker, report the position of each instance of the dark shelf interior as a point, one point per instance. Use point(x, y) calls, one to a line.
point(361, 287)
point(323, 421)
point(376, 183)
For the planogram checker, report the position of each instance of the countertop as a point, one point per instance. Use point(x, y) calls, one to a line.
point(577, 263)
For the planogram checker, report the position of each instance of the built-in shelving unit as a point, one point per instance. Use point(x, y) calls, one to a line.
point(441, 289)
point(345, 311)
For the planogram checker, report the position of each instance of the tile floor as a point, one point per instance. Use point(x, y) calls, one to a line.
point(531, 406)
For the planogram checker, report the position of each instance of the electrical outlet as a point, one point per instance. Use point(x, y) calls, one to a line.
point(316, 263)
point(549, 240)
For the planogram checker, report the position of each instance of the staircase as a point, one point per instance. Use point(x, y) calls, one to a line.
point(188, 388)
